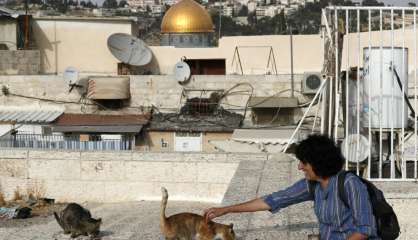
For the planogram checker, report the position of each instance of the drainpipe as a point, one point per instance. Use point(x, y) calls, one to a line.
point(292, 81)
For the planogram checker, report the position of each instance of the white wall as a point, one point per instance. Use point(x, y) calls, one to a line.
point(254, 52)
point(78, 42)
point(8, 33)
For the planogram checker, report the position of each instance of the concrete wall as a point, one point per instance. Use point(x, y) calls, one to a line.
point(161, 91)
point(81, 43)
point(78, 42)
point(19, 62)
point(254, 54)
point(116, 176)
point(8, 32)
point(154, 139)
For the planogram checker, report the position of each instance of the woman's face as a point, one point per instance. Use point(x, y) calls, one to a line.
point(306, 168)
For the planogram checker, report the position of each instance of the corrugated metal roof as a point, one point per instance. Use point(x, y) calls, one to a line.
point(267, 136)
point(70, 119)
point(99, 129)
point(35, 114)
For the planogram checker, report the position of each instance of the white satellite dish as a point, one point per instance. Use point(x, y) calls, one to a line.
point(358, 148)
point(129, 49)
point(71, 75)
point(182, 72)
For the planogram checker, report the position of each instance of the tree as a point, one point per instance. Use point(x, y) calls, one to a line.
point(252, 18)
point(110, 4)
point(411, 4)
point(243, 11)
point(122, 3)
point(62, 6)
point(89, 4)
point(372, 3)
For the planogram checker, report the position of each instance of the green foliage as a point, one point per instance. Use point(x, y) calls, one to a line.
point(122, 3)
point(243, 11)
point(371, 3)
point(110, 4)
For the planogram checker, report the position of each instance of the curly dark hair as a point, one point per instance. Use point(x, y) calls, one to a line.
point(322, 154)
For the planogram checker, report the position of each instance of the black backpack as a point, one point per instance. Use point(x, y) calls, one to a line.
point(386, 220)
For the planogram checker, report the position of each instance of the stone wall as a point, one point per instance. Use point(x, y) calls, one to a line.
point(19, 62)
point(118, 176)
point(160, 91)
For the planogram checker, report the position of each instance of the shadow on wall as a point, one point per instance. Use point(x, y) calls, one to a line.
point(152, 68)
point(44, 44)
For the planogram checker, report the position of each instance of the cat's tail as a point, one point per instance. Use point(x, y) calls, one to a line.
point(59, 220)
point(163, 219)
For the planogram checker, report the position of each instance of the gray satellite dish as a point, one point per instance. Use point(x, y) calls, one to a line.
point(181, 72)
point(129, 49)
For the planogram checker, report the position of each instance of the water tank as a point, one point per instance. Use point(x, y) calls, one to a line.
point(384, 110)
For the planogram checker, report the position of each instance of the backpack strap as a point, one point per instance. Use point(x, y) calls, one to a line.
point(341, 192)
point(311, 188)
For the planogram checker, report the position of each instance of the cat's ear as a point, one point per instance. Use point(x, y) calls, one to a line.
point(99, 220)
point(231, 225)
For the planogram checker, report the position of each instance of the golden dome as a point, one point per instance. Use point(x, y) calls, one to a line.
point(186, 16)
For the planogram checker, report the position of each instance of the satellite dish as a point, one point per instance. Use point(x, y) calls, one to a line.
point(71, 75)
point(129, 49)
point(358, 148)
point(182, 72)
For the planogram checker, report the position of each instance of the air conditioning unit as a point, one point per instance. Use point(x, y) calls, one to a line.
point(311, 82)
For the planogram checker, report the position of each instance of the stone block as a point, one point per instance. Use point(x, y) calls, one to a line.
point(54, 169)
point(186, 191)
point(247, 156)
point(160, 156)
point(108, 156)
point(205, 157)
point(103, 170)
point(216, 172)
point(54, 155)
point(185, 172)
point(13, 154)
point(148, 171)
point(8, 186)
point(129, 191)
point(13, 168)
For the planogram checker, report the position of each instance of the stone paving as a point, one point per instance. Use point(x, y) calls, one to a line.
point(140, 220)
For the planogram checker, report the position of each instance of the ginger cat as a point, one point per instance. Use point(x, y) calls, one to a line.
point(190, 226)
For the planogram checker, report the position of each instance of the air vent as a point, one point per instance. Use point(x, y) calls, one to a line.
point(108, 88)
point(311, 82)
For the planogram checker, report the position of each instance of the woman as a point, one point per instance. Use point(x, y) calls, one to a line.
point(320, 160)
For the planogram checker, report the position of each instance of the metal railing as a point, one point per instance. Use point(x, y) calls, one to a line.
point(371, 53)
point(38, 141)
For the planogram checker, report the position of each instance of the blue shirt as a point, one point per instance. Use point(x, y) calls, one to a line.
point(336, 221)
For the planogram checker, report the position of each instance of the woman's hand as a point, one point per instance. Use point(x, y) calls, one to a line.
point(211, 213)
